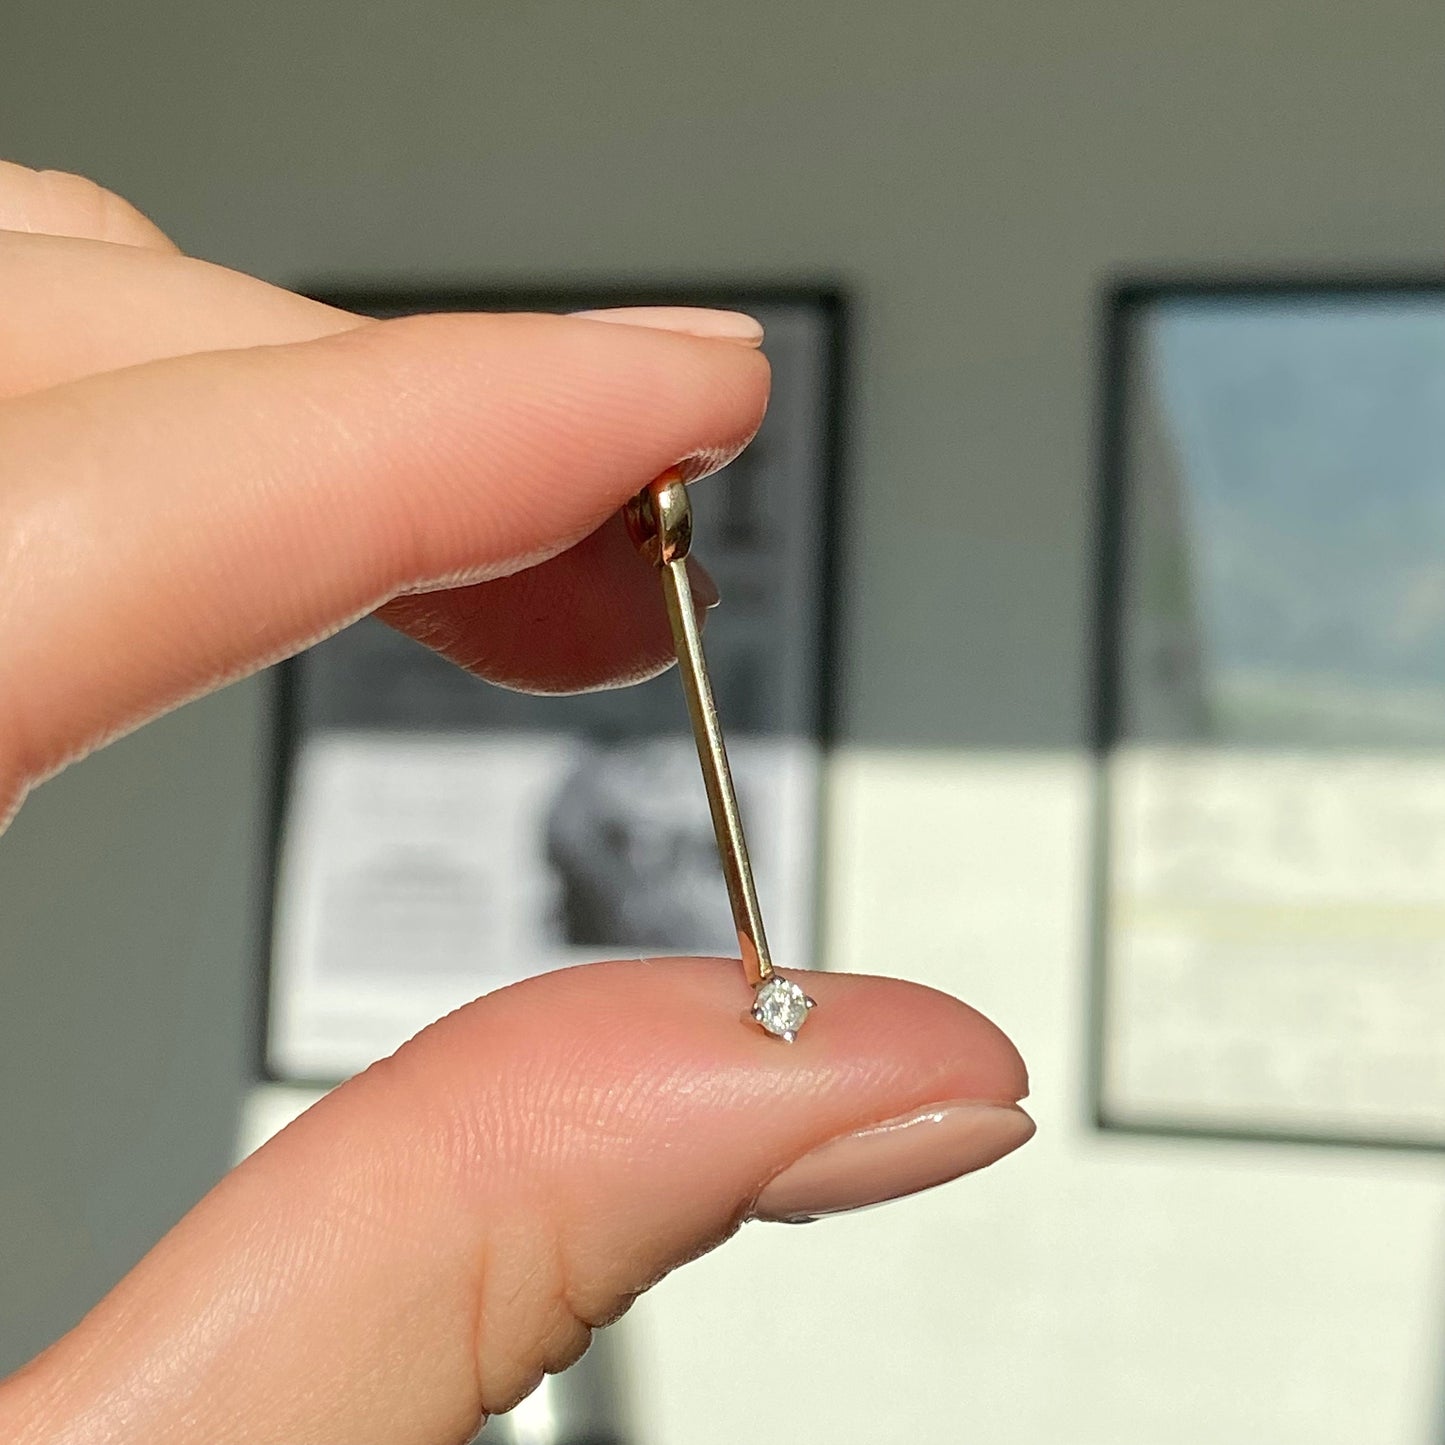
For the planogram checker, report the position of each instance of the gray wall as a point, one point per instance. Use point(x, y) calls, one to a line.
point(972, 171)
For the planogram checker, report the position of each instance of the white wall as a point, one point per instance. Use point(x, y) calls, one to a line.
point(1092, 1290)
point(972, 171)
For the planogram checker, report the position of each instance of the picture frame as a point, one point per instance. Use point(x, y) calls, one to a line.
point(422, 821)
point(1193, 1038)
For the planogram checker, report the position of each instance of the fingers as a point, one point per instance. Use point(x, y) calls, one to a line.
point(59, 204)
point(588, 618)
point(76, 307)
point(421, 1246)
point(169, 527)
point(592, 617)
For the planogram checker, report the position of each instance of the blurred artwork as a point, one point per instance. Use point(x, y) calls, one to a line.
point(1273, 896)
point(630, 840)
point(441, 837)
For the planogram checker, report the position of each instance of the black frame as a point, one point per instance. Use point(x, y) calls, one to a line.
point(829, 298)
point(1121, 300)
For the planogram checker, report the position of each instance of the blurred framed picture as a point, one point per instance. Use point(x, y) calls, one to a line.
point(437, 837)
point(1269, 941)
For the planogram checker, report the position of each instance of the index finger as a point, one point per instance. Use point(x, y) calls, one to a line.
point(169, 527)
point(57, 203)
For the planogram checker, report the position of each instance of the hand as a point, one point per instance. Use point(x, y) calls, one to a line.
point(200, 474)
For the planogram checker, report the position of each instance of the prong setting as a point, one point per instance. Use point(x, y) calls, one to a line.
point(781, 1008)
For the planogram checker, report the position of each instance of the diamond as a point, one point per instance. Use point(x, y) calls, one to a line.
point(781, 1007)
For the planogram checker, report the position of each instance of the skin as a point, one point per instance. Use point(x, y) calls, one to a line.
point(200, 474)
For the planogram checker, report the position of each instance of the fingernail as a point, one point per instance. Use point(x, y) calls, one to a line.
point(690, 320)
point(887, 1161)
point(704, 588)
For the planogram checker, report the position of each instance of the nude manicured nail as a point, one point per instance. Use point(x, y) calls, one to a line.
point(927, 1147)
point(704, 586)
point(690, 320)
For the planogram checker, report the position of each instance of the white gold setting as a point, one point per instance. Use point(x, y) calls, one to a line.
point(781, 1007)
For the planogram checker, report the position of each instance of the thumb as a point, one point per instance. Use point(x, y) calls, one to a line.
point(433, 1236)
point(169, 527)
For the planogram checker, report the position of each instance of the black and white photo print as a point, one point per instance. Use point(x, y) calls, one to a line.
point(438, 836)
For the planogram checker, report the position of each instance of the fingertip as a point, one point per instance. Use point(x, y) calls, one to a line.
point(293, 488)
point(705, 590)
point(587, 620)
point(713, 325)
point(58, 203)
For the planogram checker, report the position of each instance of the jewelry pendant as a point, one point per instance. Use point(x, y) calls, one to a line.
point(659, 519)
point(781, 1007)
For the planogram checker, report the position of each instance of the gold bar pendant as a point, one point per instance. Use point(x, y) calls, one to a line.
point(659, 519)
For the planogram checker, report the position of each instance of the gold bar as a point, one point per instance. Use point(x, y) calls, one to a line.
point(717, 776)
